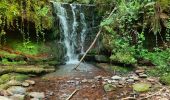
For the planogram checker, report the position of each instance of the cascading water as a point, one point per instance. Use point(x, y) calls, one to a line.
point(83, 32)
point(74, 30)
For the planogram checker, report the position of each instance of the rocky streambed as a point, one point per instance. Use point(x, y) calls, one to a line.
point(88, 83)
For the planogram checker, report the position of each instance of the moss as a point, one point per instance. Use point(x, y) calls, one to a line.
point(6, 62)
point(165, 79)
point(7, 54)
point(5, 78)
point(21, 77)
point(26, 69)
point(141, 87)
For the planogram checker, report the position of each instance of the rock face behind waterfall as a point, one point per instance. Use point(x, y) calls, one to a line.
point(76, 25)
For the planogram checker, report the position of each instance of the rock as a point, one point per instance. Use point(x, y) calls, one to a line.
point(139, 71)
point(163, 99)
point(16, 90)
point(142, 75)
point(93, 86)
point(120, 86)
point(121, 82)
point(4, 93)
point(136, 78)
point(130, 80)
point(109, 81)
point(31, 82)
point(141, 87)
point(90, 80)
point(109, 87)
point(151, 80)
point(98, 77)
point(116, 77)
point(101, 58)
point(4, 98)
point(14, 83)
point(17, 97)
point(38, 95)
point(25, 84)
point(34, 99)
point(84, 81)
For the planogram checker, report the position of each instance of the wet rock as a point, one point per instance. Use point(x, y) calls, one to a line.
point(90, 80)
point(116, 77)
point(93, 86)
point(101, 58)
point(31, 82)
point(4, 98)
point(4, 93)
point(17, 97)
point(142, 75)
point(109, 87)
point(14, 83)
point(151, 80)
point(139, 71)
point(16, 90)
point(109, 81)
point(141, 87)
point(38, 95)
point(98, 77)
point(120, 86)
point(84, 81)
point(121, 82)
point(25, 84)
point(130, 80)
point(136, 78)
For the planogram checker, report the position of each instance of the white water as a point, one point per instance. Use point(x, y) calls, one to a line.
point(70, 33)
point(83, 32)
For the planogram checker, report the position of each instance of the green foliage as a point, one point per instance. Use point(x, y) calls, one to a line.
point(30, 11)
point(122, 70)
point(165, 79)
point(161, 58)
point(30, 48)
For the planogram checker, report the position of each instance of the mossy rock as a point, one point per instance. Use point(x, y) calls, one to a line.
point(141, 87)
point(109, 87)
point(4, 78)
point(165, 79)
point(27, 69)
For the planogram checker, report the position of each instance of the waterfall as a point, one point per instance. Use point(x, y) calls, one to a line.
point(73, 26)
point(83, 32)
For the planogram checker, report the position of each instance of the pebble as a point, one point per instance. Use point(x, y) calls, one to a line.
point(139, 71)
point(38, 95)
point(130, 80)
point(142, 75)
point(93, 86)
point(84, 81)
point(30, 82)
point(25, 84)
point(98, 77)
point(151, 79)
point(116, 77)
point(136, 78)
